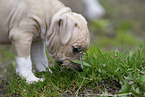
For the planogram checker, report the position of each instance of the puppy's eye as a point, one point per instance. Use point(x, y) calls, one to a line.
point(76, 25)
point(75, 50)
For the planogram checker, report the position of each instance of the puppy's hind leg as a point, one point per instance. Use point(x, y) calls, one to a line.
point(39, 58)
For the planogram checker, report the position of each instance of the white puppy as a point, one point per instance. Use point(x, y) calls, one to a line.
point(31, 25)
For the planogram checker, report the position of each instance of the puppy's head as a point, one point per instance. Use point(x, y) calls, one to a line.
point(68, 38)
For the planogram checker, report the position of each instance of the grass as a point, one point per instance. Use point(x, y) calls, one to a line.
point(106, 72)
point(110, 73)
point(105, 36)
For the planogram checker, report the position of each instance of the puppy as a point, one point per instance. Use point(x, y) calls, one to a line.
point(30, 26)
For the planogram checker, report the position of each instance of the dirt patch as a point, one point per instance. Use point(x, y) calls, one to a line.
point(7, 72)
point(112, 87)
point(6, 68)
point(3, 88)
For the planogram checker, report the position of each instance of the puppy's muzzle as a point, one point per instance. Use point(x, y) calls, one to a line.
point(71, 65)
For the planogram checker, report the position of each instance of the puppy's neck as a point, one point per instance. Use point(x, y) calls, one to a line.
point(55, 6)
point(51, 8)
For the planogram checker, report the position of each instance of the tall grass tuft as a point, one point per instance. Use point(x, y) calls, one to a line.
point(109, 73)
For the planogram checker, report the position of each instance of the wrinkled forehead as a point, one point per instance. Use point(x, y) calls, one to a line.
point(78, 18)
point(80, 32)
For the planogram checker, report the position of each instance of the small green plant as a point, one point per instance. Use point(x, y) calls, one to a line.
point(110, 73)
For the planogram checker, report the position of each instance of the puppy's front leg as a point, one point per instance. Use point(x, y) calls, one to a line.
point(21, 44)
point(39, 58)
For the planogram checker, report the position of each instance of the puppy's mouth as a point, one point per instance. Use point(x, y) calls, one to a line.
point(60, 63)
point(70, 65)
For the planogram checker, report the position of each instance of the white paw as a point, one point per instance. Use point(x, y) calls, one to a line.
point(31, 78)
point(24, 69)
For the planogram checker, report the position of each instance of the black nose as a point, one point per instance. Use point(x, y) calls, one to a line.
point(80, 69)
point(77, 67)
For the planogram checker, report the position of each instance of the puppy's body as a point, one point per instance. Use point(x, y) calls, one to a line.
point(26, 24)
point(27, 14)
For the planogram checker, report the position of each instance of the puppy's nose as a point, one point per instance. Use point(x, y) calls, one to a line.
point(80, 69)
point(77, 67)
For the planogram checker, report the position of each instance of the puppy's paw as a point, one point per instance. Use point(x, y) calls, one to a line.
point(31, 78)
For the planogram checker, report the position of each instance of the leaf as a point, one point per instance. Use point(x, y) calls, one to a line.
point(143, 78)
point(80, 62)
point(136, 91)
point(125, 88)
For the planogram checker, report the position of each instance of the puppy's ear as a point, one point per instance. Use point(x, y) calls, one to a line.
point(64, 30)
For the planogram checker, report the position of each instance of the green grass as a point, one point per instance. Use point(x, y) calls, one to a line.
point(105, 35)
point(105, 73)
